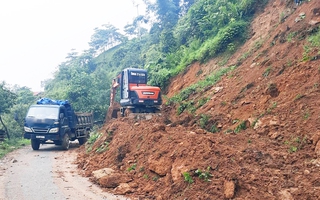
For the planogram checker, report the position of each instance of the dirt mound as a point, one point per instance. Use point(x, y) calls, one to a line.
point(265, 116)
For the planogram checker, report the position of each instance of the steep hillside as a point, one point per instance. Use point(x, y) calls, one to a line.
point(254, 137)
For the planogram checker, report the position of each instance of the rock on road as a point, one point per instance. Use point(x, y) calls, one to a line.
point(48, 173)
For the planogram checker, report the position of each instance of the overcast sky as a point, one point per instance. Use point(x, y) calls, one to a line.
point(37, 35)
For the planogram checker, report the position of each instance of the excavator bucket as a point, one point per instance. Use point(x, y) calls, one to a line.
point(113, 112)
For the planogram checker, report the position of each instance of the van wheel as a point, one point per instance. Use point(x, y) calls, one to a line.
point(35, 144)
point(66, 142)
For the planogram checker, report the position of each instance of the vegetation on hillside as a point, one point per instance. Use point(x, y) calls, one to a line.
point(179, 34)
point(14, 103)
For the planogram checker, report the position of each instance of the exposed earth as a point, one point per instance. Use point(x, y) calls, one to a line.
point(257, 136)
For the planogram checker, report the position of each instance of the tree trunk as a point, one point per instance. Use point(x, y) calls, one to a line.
point(5, 128)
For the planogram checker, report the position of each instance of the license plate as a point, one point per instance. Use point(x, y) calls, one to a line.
point(40, 136)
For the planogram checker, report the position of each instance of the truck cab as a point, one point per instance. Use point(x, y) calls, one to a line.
point(46, 122)
point(55, 122)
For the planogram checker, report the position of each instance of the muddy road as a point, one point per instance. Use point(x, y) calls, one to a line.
point(46, 174)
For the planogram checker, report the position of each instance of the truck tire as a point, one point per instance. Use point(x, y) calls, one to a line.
point(65, 142)
point(82, 140)
point(35, 144)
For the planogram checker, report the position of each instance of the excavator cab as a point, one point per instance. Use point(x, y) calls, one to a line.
point(135, 95)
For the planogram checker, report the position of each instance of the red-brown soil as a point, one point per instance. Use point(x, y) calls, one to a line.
point(273, 93)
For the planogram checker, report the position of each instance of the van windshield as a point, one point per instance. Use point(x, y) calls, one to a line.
point(43, 112)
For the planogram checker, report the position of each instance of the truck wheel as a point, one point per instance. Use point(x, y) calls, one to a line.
point(35, 144)
point(82, 140)
point(66, 142)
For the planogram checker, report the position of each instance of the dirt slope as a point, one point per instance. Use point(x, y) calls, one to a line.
point(265, 112)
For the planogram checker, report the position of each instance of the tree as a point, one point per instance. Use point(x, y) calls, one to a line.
point(105, 38)
point(7, 100)
point(136, 29)
point(24, 99)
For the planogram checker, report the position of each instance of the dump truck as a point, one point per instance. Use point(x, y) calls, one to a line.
point(55, 122)
point(135, 95)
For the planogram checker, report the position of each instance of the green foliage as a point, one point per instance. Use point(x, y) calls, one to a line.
point(204, 174)
point(205, 123)
point(202, 101)
point(305, 54)
point(181, 97)
point(313, 43)
point(291, 35)
point(183, 34)
point(145, 176)
point(155, 178)
point(105, 37)
point(103, 147)
point(241, 126)
point(295, 143)
point(167, 41)
point(214, 129)
point(315, 40)
point(203, 120)
point(93, 138)
point(7, 98)
point(187, 177)
point(10, 145)
point(281, 17)
point(160, 77)
point(14, 118)
point(206, 17)
point(267, 71)
point(213, 46)
point(132, 167)
point(14, 102)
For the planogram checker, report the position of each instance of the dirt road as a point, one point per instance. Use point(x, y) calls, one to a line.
point(46, 174)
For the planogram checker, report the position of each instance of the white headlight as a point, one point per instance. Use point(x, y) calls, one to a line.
point(27, 129)
point(54, 130)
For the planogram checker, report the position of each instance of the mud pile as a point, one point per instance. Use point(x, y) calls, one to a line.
point(266, 115)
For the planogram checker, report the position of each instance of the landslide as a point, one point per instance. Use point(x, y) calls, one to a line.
point(255, 137)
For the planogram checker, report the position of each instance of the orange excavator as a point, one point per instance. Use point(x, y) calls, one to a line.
point(135, 95)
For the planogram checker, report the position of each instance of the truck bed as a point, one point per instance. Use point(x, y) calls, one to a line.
point(84, 119)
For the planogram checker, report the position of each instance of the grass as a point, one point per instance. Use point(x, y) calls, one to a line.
point(291, 35)
point(241, 126)
point(93, 138)
point(103, 147)
point(132, 167)
point(204, 174)
point(8, 146)
point(182, 97)
point(203, 121)
point(187, 177)
point(267, 71)
point(295, 143)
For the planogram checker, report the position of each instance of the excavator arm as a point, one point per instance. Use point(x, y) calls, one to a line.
point(113, 108)
point(113, 91)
